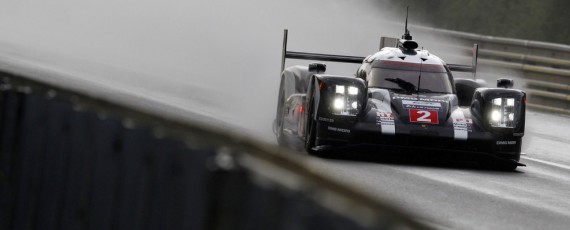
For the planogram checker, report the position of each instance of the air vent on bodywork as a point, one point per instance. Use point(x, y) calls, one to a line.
point(408, 44)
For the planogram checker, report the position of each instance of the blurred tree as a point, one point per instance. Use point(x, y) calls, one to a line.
point(545, 20)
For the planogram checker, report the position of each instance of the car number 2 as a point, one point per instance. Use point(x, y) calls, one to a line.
point(424, 116)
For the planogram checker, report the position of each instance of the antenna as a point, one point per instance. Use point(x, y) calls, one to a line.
point(422, 59)
point(407, 13)
point(407, 35)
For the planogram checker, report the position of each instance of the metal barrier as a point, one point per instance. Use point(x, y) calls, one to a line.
point(72, 161)
point(545, 66)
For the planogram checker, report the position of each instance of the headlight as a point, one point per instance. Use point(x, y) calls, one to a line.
point(502, 112)
point(339, 103)
point(345, 101)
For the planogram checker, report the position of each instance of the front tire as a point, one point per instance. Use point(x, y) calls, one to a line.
point(279, 119)
point(311, 128)
point(498, 165)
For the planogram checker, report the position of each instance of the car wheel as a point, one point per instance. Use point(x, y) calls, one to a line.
point(497, 165)
point(280, 119)
point(311, 128)
point(509, 167)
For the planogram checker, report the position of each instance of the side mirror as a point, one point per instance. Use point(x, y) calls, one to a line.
point(505, 83)
point(317, 67)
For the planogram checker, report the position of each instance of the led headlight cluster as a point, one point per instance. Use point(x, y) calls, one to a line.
point(502, 112)
point(345, 101)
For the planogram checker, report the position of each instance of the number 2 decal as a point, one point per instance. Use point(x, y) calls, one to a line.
point(424, 116)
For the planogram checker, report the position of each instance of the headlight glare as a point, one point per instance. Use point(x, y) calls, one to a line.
point(338, 103)
point(345, 100)
point(352, 90)
point(502, 112)
point(497, 101)
point(511, 102)
point(496, 116)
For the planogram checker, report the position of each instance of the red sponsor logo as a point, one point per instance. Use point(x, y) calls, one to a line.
point(385, 114)
point(424, 116)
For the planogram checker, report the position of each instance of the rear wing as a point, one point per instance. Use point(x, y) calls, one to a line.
point(314, 56)
point(466, 68)
point(384, 42)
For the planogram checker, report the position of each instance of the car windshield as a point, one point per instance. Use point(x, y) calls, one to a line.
point(406, 79)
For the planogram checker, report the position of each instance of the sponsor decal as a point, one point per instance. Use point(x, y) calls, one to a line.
point(330, 120)
point(421, 105)
point(386, 120)
point(419, 99)
point(424, 116)
point(412, 104)
point(463, 120)
point(506, 142)
point(385, 115)
point(335, 129)
point(461, 125)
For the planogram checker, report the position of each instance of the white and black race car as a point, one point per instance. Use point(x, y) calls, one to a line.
point(402, 98)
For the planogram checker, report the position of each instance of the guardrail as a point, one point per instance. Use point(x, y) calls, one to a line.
point(70, 160)
point(545, 66)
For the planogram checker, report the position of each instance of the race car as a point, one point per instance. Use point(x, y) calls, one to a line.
point(401, 98)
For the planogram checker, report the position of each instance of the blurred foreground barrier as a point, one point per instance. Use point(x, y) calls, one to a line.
point(545, 66)
point(71, 161)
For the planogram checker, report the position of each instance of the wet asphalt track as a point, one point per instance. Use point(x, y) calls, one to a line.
point(461, 195)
